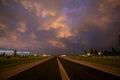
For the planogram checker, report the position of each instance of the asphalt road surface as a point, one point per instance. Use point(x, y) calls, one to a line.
point(76, 71)
point(48, 70)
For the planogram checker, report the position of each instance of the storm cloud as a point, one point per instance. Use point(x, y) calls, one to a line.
point(59, 26)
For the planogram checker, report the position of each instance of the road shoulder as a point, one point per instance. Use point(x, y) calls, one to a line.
point(9, 72)
point(107, 69)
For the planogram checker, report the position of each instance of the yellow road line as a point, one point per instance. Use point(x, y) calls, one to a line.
point(63, 73)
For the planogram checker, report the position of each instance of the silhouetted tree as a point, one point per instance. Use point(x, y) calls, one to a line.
point(15, 52)
point(96, 52)
point(114, 52)
point(119, 39)
point(106, 53)
point(3, 54)
point(85, 51)
point(91, 51)
point(8, 57)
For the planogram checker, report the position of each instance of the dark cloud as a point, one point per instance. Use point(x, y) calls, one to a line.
point(62, 26)
point(3, 30)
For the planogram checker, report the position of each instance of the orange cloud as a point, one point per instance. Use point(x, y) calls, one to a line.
point(3, 30)
point(101, 8)
point(33, 36)
point(105, 20)
point(3, 27)
point(58, 24)
point(57, 44)
point(64, 33)
point(48, 12)
point(64, 30)
point(108, 5)
point(31, 6)
point(22, 27)
point(12, 41)
point(4, 33)
point(39, 7)
point(107, 9)
point(14, 36)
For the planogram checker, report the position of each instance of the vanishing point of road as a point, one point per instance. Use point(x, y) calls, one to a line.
point(58, 68)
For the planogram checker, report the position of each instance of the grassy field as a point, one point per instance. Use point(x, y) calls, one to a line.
point(113, 61)
point(14, 61)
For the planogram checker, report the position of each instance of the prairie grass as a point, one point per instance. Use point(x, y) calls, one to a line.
point(14, 61)
point(113, 61)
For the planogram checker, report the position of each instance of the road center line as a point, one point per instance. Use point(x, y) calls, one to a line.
point(63, 73)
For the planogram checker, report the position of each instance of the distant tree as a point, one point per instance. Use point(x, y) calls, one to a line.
point(91, 51)
point(118, 52)
point(96, 52)
point(15, 53)
point(3, 54)
point(114, 52)
point(119, 39)
point(105, 52)
point(85, 51)
point(7, 57)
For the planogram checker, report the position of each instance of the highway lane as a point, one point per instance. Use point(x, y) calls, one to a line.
point(45, 71)
point(77, 71)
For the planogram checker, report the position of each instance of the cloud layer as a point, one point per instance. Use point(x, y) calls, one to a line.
point(59, 26)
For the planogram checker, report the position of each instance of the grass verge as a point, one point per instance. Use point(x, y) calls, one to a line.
point(14, 61)
point(105, 60)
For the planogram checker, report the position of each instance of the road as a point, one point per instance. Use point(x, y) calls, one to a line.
point(45, 71)
point(77, 71)
point(49, 70)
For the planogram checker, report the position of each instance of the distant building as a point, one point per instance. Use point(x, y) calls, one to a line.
point(11, 52)
point(35, 55)
point(88, 54)
point(99, 53)
point(7, 52)
point(63, 55)
point(44, 55)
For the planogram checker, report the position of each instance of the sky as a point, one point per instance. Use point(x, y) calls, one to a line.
point(59, 26)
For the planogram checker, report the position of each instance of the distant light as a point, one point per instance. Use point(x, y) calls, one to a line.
point(63, 55)
point(44, 55)
point(99, 53)
point(88, 54)
point(35, 55)
point(83, 55)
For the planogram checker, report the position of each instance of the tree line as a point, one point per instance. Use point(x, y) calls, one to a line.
point(112, 52)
